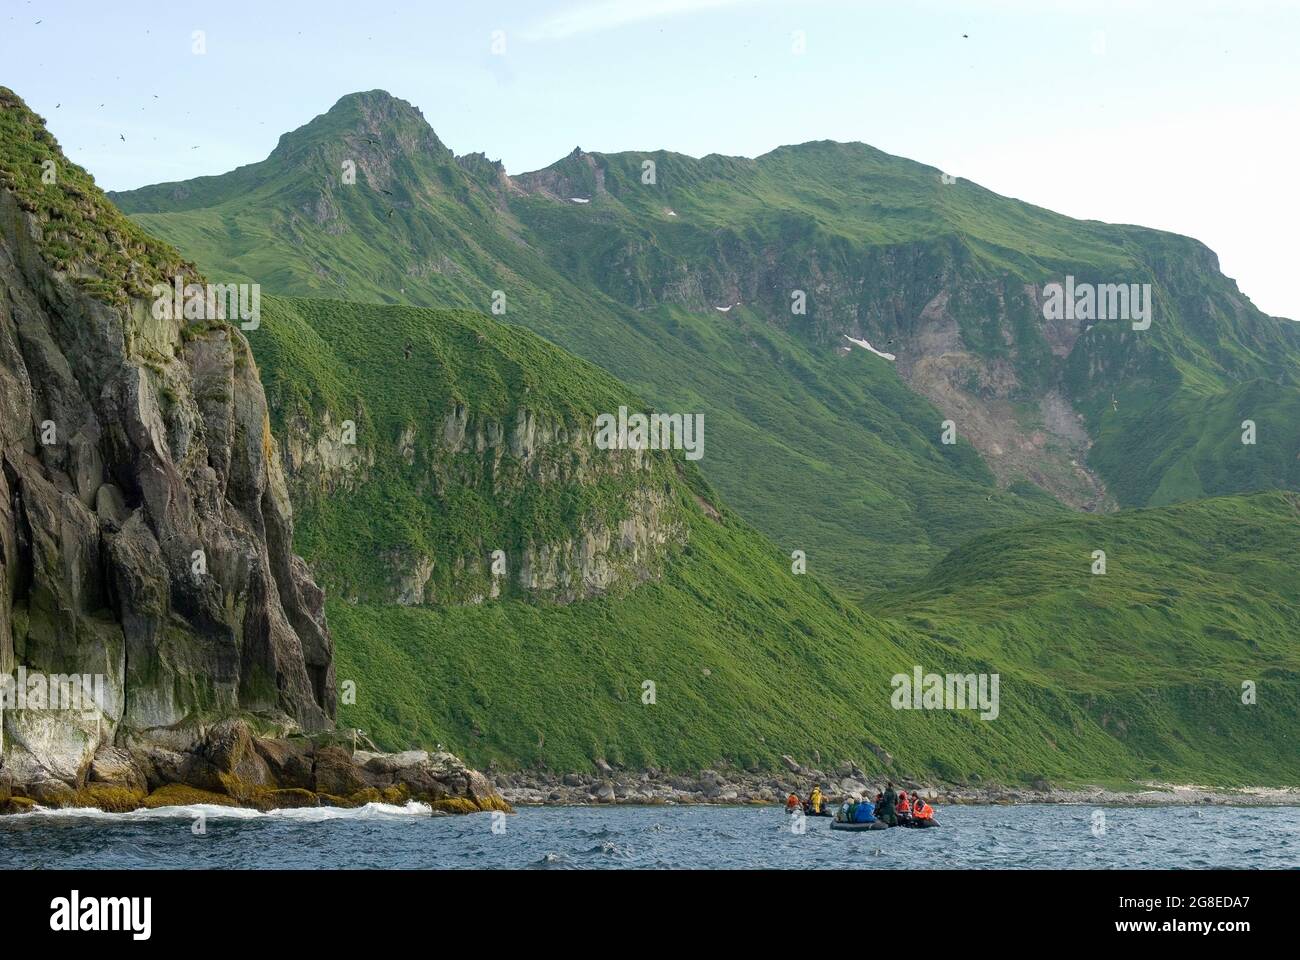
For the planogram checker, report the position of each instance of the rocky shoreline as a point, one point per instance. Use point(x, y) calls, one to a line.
point(227, 765)
point(730, 787)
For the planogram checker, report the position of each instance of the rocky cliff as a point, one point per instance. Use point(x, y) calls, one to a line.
point(145, 526)
point(483, 481)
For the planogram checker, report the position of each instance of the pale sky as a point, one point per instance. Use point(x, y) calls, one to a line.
point(1177, 115)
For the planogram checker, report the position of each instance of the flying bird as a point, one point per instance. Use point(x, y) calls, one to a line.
point(389, 192)
point(122, 137)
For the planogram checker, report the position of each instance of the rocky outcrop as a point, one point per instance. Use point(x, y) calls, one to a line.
point(228, 765)
point(504, 460)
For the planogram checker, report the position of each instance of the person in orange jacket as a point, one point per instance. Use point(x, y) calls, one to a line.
point(904, 805)
point(922, 810)
point(792, 803)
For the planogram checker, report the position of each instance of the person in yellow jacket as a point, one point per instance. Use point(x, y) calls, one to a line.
point(815, 799)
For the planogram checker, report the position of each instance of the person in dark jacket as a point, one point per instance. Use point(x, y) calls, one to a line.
point(889, 806)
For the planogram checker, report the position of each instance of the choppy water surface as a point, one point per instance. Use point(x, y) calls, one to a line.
point(651, 837)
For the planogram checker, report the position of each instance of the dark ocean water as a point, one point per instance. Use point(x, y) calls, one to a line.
point(557, 838)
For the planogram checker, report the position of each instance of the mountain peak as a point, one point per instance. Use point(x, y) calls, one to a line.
point(371, 118)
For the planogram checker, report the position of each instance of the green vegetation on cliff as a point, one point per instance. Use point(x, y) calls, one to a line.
point(836, 455)
point(1134, 674)
point(826, 453)
point(409, 494)
point(81, 231)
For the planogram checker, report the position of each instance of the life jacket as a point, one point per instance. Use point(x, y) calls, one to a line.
point(791, 802)
point(904, 806)
point(923, 810)
point(815, 801)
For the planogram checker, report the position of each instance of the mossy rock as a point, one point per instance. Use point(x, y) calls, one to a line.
point(241, 791)
point(179, 795)
point(17, 805)
point(362, 797)
point(398, 794)
point(494, 801)
point(290, 798)
point(455, 805)
point(109, 798)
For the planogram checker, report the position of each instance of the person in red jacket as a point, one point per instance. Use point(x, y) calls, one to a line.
point(904, 805)
point(922, 810)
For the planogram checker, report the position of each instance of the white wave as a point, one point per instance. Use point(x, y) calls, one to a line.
point(722, 309)
point(211, 811)
point(580, 200)
point(866, 346)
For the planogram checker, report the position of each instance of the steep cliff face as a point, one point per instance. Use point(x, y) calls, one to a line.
point(484, 481)
point(145, 524)
point(951, 279)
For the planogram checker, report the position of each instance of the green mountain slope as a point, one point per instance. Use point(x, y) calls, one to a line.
point(826, 452)
point(749, 661)
point(948, 276)
point(1197, 601)
point(422, 447)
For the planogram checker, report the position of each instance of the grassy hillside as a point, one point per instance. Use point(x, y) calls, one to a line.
point(398, 373)
point(81, 232)
point(826, 453)
point(750, 660)
point(1197, 599)
point(882, 248)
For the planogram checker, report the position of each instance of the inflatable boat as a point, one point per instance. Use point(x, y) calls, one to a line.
point(928, 822)
point(854, 827)
point(808, 813)
point(881, 825)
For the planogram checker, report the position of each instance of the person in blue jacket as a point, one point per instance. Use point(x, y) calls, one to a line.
point(863, 813)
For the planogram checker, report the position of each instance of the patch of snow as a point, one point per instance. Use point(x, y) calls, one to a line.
point(866, 346)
